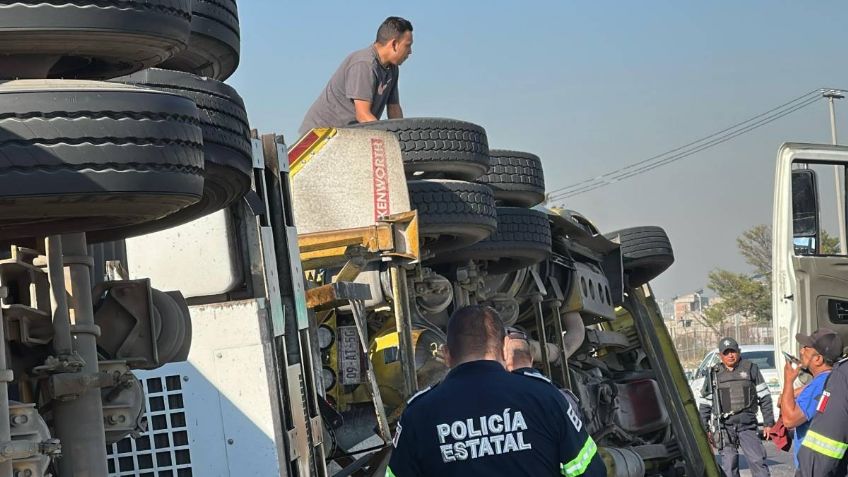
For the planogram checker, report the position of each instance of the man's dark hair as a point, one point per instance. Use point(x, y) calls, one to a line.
point(392, 29)
point(475, 330)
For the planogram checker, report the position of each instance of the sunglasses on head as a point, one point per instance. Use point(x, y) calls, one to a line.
point(516, 334)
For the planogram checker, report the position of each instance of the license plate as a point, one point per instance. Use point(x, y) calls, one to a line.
point(350, 355)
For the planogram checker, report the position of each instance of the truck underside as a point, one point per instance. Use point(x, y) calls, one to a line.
point(262, 372)
point(581, 297)
point(614, 354)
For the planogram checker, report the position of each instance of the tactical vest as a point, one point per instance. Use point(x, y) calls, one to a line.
point(736, 389)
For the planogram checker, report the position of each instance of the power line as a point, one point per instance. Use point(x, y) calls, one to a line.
point(715, 142)
point(626, 173)
point(693, 147)
point(776, 108)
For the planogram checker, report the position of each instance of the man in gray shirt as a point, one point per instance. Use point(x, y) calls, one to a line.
point(366, 83)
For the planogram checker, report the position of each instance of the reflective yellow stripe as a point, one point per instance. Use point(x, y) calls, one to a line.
point(824, 445)
point(389, 472)
point(306, 147)
point(578, 465)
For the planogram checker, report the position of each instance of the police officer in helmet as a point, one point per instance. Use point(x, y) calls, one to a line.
point(740, 390)
point(483, 420)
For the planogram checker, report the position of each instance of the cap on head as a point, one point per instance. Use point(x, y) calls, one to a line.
point(825, 341)
point(727, 343)
point(515, 333)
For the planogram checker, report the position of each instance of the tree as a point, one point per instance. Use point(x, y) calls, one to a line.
point(829, 244)
point(739, 294)
point(750, 295)
point(755, 246)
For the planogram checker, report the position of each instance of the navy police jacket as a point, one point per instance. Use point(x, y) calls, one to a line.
point(823, 450)
point(483, 420)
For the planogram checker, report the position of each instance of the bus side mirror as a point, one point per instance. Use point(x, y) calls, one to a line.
point(805, 212)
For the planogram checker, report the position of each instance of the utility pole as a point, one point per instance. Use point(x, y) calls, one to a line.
point(837, 172)
point(736, 326)
point(697, 293)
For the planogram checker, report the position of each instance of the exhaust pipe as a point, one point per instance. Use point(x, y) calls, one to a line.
point(573, 335)
point(575, 332)
point(536, 350)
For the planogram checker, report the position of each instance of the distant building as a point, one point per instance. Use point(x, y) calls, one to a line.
point(693, 302)
point(666, 308)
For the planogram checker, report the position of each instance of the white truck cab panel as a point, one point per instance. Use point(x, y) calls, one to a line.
point(809, 283)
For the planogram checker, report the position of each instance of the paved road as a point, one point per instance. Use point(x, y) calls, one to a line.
point(780, 463)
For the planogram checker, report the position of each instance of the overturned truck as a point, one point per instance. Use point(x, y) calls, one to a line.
point(114, 191)
point(381, 307)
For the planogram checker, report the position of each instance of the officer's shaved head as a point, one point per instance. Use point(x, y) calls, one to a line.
point(518, 353)
point(475, 332)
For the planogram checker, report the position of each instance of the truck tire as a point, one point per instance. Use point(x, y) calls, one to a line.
point(645, 253)
point(77, 156)
point(226, 145)
point(223, 118)
point(452, 214)
point(214, 46)
point(523, 238)
point(90, 39)
point(437, 148)
point(515, 177)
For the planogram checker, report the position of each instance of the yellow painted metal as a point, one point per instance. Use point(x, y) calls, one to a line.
point(394, 236)
point(430, 366)
point(387, 368)
point(297, 163)
point(342, 396)
point(387, 341)
point(675, 369)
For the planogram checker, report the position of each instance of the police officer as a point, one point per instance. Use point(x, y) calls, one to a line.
point(483, 420)
point(519, 360)
point(822, 452)
point(518, 354)
point(741, 389)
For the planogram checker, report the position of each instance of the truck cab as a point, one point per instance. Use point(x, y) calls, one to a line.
point(809, 278)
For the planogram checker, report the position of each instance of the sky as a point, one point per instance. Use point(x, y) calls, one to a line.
point(589, 87)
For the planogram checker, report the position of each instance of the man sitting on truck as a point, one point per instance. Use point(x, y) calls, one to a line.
point(366, 83)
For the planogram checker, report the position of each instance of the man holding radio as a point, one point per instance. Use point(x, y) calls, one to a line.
point(818, 353)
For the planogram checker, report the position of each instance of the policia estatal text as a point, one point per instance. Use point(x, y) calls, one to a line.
point(740, 390)
point(483, 420)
